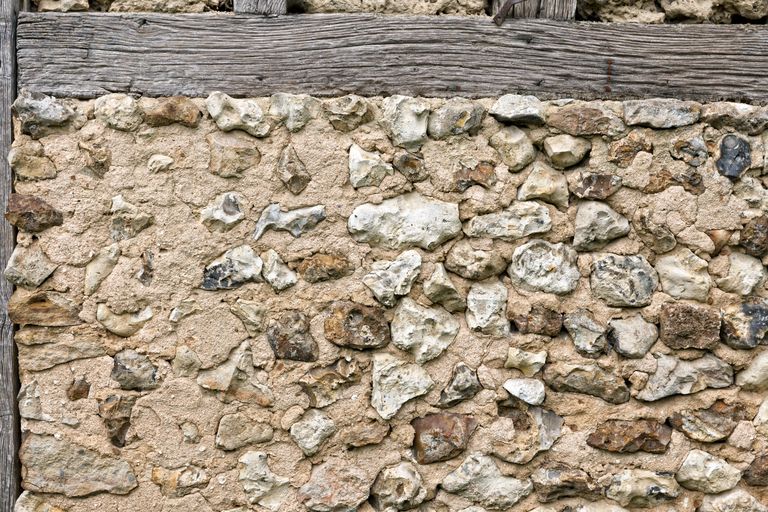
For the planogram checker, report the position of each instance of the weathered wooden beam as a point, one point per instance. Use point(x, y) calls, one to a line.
point(86, 55)
point(549, 9)
point(9, 418)
point(266, 7)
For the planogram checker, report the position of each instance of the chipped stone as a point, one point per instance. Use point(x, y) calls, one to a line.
point(335, 485)
point(411, 166)
point(745, 325)
point(623, 151)
point(656, 237)
point(486, 305)
point(684, 275)
point(367, 169)
point(312, 430)
point(119, 111)
point(630, 436)
point(546, 184)
point(580, 119)
point(357, 326)
point(441, 436)
point(588, 379)
point(324, 267)
point(252, 314)
point(30, 163)
point(519, 434)
point(405, 119)
point(755, 376)
point(514, 147)
point(588, 336)
point(159, 163)
point(623, 281)
point(736, 500)
point(539, 320)
point(323, 385)
point(440, 290)
point(28, 267)
point(475, 264)
point(174, 109)
point(675, 376)
point(49, 309)
point(127, 220)
point(292, 171)
point(754, 236)
point(261, 485)
point(348, 112)
point(115, 411)
point(701, 471)
point(233, 269)
point(276, 272)
point(530, 391)
point(735, 156)
point(521, 219)
point(684, 325)
point(745, 273)
point(757, 472)
point(455, 117)
point(632, 337)
point(134, 371)
point(391, 279)
point(529, 363)
point(517, 109)
point(186, 362)
point(463, 385)
point(709, 425)
point(565, 150)
point(237, 114)
point(691, 150)
point(479, 480)
point(661, 113)
point(180, 481)
point(557, 482)
point(238, 430)
point(125, 324)
point(38, 113)
point(542, 266)
point(231, 154)
point(297, 222)
point(289, 337)
point(642, 488)
point(395, 382)
point(596, 225)
point(224, 212)
point(28, 502)
point(424, 332)
point(31, 214)
point(293, 110)
point(398, 488)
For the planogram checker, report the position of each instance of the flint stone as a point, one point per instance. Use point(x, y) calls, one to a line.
point(367, 169)
point(126, 324)
point(474, 173)
point(38, 113)
point(324, 385)
point(405, 119)
point(479, 480)
point(539, 320)
point(656, 237)
point(31, 214)
point(237, 114)
point(97, 156)
point(312, 430)
point(519, 434)
point(754, 236)
point(261, 485)
point(395, 382)
point(519, 220)
point(276, 272)
point(365, 433)
point(289, 337)
point(296, 222)
point(29, 162)
point(744, 118)
point(174, 109)
point(134, 371)
point(294, 110)
point(440, 290)
point(238, 430)
point(674, 376)
point(623, 281)
point(424, 332)
point(442, 436)
point(587, 379)
point(691, 150)
point(233, 269)
point(736, 500)
point(186, 362)
point(252, 314)
point(116, 413)
point(632, 337)
point(755, 376)
point(517, 109)
point(324, 267)
point(703, 472)
point(356, 326)
point(455, 117)
point(631, 436)
point(28, 267)
point(559, 482)
point(475, 264)
point(661, 113)
point(514, 147)
point(586, 119)
point(684, 325)
point(127, 219)
point(757, 472)
point(597, 224)
point(709, 425)
point(546, 184)
point(334, 486)
point(60, 466)
point(542, 266)
point(119, 111)
point(79, 389)
point(529, 363)
point(390, 279)
point(745, 325)
point(735, 156)
point(48, 309)
point(405, 221)
point(588, 336)
point(231, 154)
point(623, 151)
point(292, 171)
point(398, 488)
point(486, 305)
point(159, 163)
point(595, 186)
point(565, 150)
point(224, 212)
point(642, 488)
point(530, 391)
point(463, 385)
point(745, 274)
point(411, 166)
point(348, 112)
point(684, 275)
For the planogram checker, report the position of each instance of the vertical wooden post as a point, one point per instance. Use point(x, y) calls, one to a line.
point(550, 9)
point(266, 7)
point(9, 417)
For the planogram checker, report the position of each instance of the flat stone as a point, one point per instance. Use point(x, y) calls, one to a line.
point(289, 337)
point(675, 376)
point(745, 274)
point(456, 116)
point(231, 154)
point(755, 376)
point(405, 119)
point(322, 267)
point(517, 109)
point(174, 109)
point(757, 472)
point(661, 113)
point(405, 221)
point(252, 314)
point(630, 436)
point(60, 466)
point(28, 162)
point(596, 225)
point(296, 222)
point(348, 112)
point(439, 288)
point(529, 363)
point(356, 326)
point(479, 480)
point(642, 488)
point(709, 425)
point(232, 379)
point(735, 156)
point(684, 325)
point(115, 411)
point(395, 382)
point(49, 309)
point(545, 267)
point(293, 110)
point(31, 213)
point(28, 502)
point(237, 114)
point(587, 379)
point(224, 212)
point(119, 111)
point(521, 219)
point(28, 267)
point(754, 236)
point(546, 184)
point(486, 308)
point(391, 279)
point(521, 432)
point(580, 119)
point(292, 171)
point(745, 325)
point(276, 272)
point(262, 487)
point(530, 391)
point(553, 483)
point(701, 471)
point(29, 403)
point(441, 436)
point(514, 147)
point(632, 337)
point(736, 500)
point(366, 168)
point(684, 275)
point(398, 487)
point(750, 119)
point(312, 430)
point(124, 324)
point(463, 385)
point(134, 371)
point(56, 349)
point(566, 150)
point(539, 320)
point(623, 281)
point(623, 151)
point(424, 332)
point(233, 269)
point(411, 166)
point(38, 113)
point(238, 430)
point(589, 337)
point(335, 485)
point(324, 385)
point(476, 264)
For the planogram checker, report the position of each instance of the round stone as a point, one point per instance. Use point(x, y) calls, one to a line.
point(542, 266)
point(623, 281)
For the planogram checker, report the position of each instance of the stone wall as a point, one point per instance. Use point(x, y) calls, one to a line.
point(366, 304)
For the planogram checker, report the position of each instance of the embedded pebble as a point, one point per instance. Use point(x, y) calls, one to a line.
point(486, 305)
point(514, 147)
point(395, 382)
point(405, 120)
point(632, 337)
point(292, 171)
point(479, 480)
point(455, 117)
point(745, 274)
point(125, 324)
point(38, 113)
point(546, 184)
point(476, 264)
point(312, 430)
point(755, 376)
point(630, 436)
point(565, 150)
point(391, 279)
point(661, 113)
point(31, 214)
point(517, 109)
point(237, 114)
point(463, 385)
point(424, 332)
point(293, 110)
point(276, 272)
point(297, 222)
point(262, 486)
point(529, 363)
point(233, 269)
point(683, 275)
point(674, 376)
point(745, 325)
point(442, 436)
point(28, 267)
point(398, 487)
point(701, 471)
point(623, 281)
point(348, 112)
point(642, 488)
point(735, 156)
point(597, 224)
point(289, 337)
point(521, 219)
point(357, 326)
point(708, 425)
point(530, 391)
point(366, 169)
point(588, 336)
point(542, 266)
point(588, 379)
point(134, 371)
point(118, 111)
point(439, 288)
point(224, 212)
point(683, 325)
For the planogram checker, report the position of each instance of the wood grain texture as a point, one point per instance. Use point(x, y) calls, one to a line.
point(86, 55)
point(9, 419)
point(266, 7)
point(548, 9)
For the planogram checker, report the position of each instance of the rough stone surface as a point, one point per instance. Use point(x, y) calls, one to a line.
point(237, 114)
point(424, 332)
point(32, 214)
point(745, 326)
point(546, 184)
point(623, 281)
point(405, 120)
point(642, 488)
point(546, 267)
point(674, 376)
point(589, 337)
point(684, 325)
point(395, 382)
point(631, 436)
point(517, 109)
point(735, 156)
point(391, 279)
point(28, 267)
point(683, 275)
point(233, 269)
point(755, 376)
point(276, 272)
point(440, 437)
point(701, 471)
point(357, 326)
point(289, 337)
point(296, 222)
point(333, 486)
point(134, 371)
point(474, 263)
point(261, 485)
point(440, 289)
point(530, 391)
point(514, 148)
point(398, 488)
point(661, 113)
point(632, 336)
point(479, 480)
point(238, 430)
point(519, 220)
point(463, 385)
point(224, 212)
point(736, 500)
point(565, 150)
point(529, 363)
point(312, 430)
point(486, 303)
point(455, 117)
point(588, 379)
point(597, 224)
point(708, 425)
point(367, 169)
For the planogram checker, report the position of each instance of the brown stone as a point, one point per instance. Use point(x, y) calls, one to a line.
point(684, 325)
point(560, 482)
point(623, 151)
point(539, 320)
point(411, 166)
point(364, 433)
point(588, 379)
point(754, 236)
point(116, 412)
point(289, 337)
point(583, 119)
point(757, 472)
point(631, 436)
point(356, 326)
point(323, 385)
point(175, 109)
point(32, 214)
point(483, 174)
point(708, 425)
point(98, 157)
point(324, 267)
point(441, 436)
point(78, 389)
point(595, 186)
point(292, 171)
point(655, 236)
point(48, 309)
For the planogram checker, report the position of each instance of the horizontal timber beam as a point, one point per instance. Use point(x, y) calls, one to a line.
point(89, 54)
